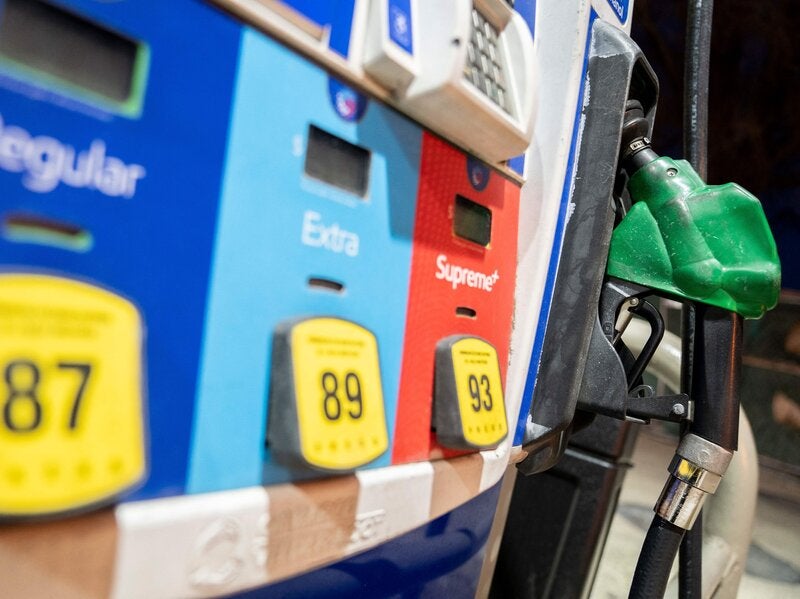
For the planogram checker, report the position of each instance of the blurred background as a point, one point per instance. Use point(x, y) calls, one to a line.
point(754, 140)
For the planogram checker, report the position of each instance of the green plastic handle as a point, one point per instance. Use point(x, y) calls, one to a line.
point(706, 243)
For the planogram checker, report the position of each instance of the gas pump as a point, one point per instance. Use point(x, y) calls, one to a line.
point(256, 276)
point(278, 299)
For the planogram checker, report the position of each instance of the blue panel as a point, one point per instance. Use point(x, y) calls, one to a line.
point(154, 246)
point(527, 9)
point(517, 164)
point(262, 264)
point(555, 254)
point(440, 559)
point(401, 31)
point(620, 9)
point(334, 14)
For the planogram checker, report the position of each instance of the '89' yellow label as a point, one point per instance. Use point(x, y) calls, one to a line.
point(338, 394)
point(71, 429)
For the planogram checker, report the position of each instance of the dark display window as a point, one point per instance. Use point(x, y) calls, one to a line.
point(54, 44)
point(472, 221)
point(337, 162)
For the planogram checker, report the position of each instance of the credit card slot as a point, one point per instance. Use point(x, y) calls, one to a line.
point(466, 312)
point(322, 284)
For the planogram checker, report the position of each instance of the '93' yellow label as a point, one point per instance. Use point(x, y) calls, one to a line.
point(71, 430)
point(480, 392)
point(338, 392)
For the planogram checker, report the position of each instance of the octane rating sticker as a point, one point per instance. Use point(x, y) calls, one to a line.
point(480, 392)
point(338, 393)
point(71, 429)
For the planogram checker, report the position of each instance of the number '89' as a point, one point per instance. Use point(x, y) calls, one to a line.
point(334, 389)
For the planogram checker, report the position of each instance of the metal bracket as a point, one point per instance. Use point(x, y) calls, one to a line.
point(644, 405)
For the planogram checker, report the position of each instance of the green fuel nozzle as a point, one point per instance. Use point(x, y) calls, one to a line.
point(706, 243)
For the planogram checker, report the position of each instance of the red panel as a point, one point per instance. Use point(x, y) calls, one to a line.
point(433, 301)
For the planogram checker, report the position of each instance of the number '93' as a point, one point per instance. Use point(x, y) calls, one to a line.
point(486, 402)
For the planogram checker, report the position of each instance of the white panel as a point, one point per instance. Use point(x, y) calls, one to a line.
point(561, 30)
point(391, 501)
point(442, 98)
point(494, 465)
point(383, 59)
point(191, 546)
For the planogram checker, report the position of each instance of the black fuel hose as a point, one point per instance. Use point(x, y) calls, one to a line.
point(716, 373)
point(695, 84)
point(655, 561)
point(699, 19)
point(715, 423)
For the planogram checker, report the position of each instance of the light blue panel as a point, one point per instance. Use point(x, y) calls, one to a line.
point(261, 267)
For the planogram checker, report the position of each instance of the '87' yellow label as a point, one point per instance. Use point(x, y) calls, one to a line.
point(71, 429)
point(337, 383)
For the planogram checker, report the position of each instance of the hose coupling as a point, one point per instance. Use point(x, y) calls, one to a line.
point(695, 472)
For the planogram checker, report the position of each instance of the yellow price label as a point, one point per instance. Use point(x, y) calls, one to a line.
point(337, 382)
point(71, 428)
point(480, 392)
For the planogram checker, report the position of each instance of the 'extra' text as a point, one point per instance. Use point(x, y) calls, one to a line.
point(333, 238)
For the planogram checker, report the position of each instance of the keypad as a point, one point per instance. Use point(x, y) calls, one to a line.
point(484, 66)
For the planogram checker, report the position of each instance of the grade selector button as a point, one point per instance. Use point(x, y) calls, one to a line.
point(326, 402)
point(71, 427)
point(468, 407)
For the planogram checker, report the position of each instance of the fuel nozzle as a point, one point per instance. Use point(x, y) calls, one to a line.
point(635, 150)
point(699, 242)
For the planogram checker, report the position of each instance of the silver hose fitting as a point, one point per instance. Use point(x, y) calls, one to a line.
point(695, 472)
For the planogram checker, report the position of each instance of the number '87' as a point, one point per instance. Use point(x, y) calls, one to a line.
point(21, 404)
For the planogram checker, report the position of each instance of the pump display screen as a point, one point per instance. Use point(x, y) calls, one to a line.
point(337, 162)
point(57, 43)
point(472, 221)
